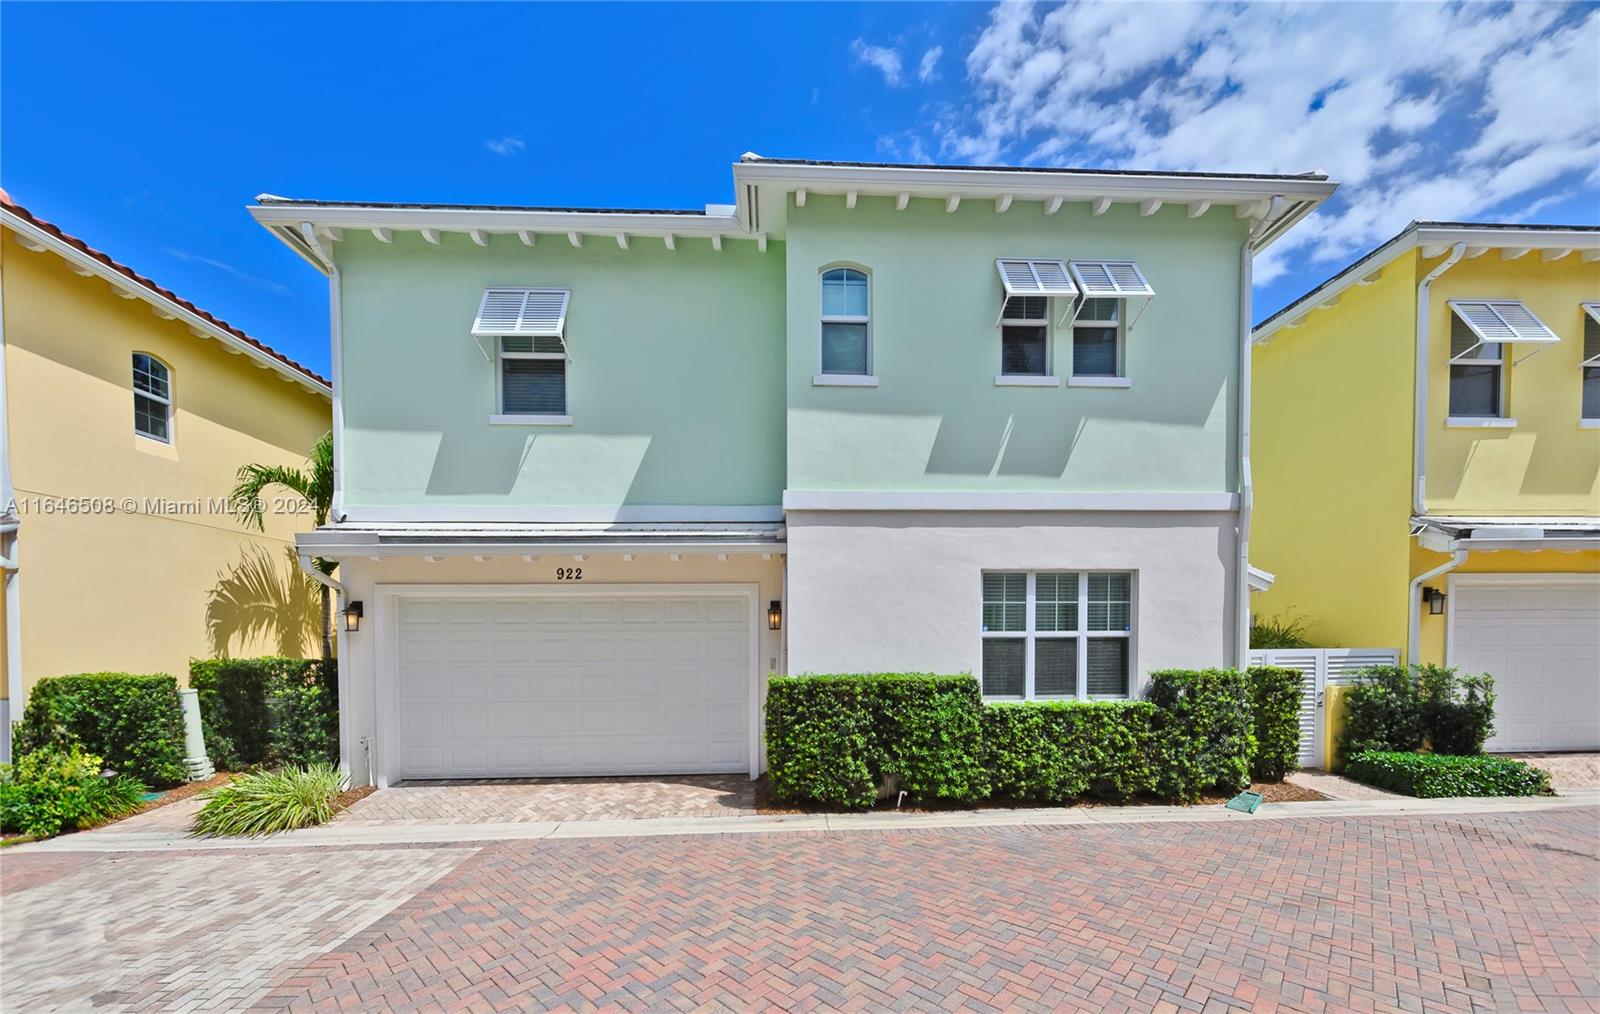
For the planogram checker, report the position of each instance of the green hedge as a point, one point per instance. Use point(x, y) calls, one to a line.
point(1275, 697)
point(1202, 730)
point(1396, 709)
point(1434, 775)
point(271, 711)
point(1055, 751)
point(834, 740)
point(52, 790)
point(134, 723)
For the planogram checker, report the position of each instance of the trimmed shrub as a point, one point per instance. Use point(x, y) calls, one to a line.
point(266, 802)
point(268, 711)
point(1457, 711)
point(1382, 712)
point(1275, 698)
point(1434, 775)
point(835, 739)
point(134, 723)
point(1202, 726)
point(52, 790)
point(1055, 751)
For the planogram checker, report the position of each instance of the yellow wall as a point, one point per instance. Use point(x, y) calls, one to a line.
point(130, 591)
point(1331, 454)
point(1546, 465)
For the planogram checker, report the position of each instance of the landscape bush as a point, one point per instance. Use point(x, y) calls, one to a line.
point(1056, 751)
point(1383, 712)
point(1275, 699)
point(1457, 712)
point(133, 723)
point(268, 711)
point(266, 802)
point(1435, 775)
point(52, 789)
point(1203, 731)
point(834, 740)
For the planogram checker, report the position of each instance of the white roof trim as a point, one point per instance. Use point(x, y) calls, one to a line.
point(1113, 279)
point(1502, 320)
point(164, 307)
point(1361, 272)
point(522, 313)
point(1033, 276)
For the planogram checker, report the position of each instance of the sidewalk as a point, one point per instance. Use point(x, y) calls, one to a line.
point(339, 835)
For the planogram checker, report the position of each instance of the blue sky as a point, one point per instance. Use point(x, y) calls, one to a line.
point(150, 134)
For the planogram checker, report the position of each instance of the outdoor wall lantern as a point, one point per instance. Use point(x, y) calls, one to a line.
point(775, 615)
point(1435, 600)
point(352, 616)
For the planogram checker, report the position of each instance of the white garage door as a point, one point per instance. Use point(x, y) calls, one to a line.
point(1541, 643)
point(596, 684)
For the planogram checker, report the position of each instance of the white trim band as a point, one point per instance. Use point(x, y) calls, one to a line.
point(845, 500)
point(601, 513)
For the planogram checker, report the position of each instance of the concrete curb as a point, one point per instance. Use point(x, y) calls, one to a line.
point(337, 835)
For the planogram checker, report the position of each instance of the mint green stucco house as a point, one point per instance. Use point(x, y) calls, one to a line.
point(600, 472)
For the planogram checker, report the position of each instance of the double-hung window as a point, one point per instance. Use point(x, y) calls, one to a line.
point(846, 323)
point(1483, 335)
point(1591, 363)
point(1025, 337)
point(152, 398)
point(528, 327)
point(1062, 635)
point(1477, 379)
point(1097, 339)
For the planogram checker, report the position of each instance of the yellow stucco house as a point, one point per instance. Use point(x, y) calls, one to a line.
point(1426, 428)
point(124, 413)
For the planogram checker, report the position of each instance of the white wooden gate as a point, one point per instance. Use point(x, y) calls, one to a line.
point(1323, 667)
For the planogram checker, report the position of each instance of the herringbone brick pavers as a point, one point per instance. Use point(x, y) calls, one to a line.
point(187, 931)
point(543, 799)
point(1485, 912)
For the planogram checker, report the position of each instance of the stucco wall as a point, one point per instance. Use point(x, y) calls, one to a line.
point(135, 591)
point(675, 384)
point(938, 422)
point(894, 592)
point(361, 577)
point(1545, 465)
point(1331, 456)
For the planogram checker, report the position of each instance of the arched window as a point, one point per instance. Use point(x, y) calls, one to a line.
point(846, 323)
point(152, 398)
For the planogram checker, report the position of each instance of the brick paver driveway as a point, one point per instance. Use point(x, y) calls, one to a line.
point(508, 800)
point(1485, 911)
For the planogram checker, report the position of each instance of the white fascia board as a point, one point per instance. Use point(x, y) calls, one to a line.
point(356, 548)
point(513, 514)
point(891, 181)
point(494, 220)
point(1431, 236)
point(849, 500)
point(167, 307)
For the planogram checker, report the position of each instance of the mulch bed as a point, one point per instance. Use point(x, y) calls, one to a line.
point(1271, 792)
point(349, 797)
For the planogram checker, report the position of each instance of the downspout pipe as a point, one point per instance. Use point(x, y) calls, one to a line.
point(10, 564)
point(1246, 480)
point(1419, 433)
point(1414, 631)
point(309, 565)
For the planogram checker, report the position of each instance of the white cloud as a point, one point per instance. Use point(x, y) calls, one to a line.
point(505, 146)
point(256, 281)
point(1420, 110)
point(928, 68)
point(885, 59)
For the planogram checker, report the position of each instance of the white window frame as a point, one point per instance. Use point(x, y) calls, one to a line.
point(133, 369)
point(1030, 635)
point(1046, 379)
point(1120, 377)
point(505, 418)
point(1500, 418)
point(867, 379)
point(1592, 312)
